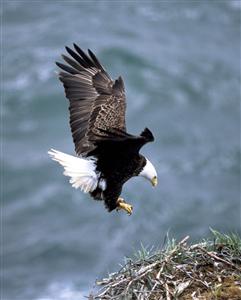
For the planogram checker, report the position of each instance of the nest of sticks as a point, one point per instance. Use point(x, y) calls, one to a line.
point(208, 270)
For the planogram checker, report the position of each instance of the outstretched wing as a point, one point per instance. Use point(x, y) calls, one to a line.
point(96, 101)
point(117, 142)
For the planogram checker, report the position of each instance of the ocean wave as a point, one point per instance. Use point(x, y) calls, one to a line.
point(61, 291)
point(235, 4)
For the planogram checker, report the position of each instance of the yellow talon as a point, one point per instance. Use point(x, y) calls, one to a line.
point(121, 204)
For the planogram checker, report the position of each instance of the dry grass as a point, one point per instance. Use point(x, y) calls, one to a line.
point(210, 270)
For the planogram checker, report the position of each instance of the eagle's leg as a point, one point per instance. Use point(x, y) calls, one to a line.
point(121, 204)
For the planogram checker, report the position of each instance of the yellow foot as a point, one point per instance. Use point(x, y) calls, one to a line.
point(121, 204)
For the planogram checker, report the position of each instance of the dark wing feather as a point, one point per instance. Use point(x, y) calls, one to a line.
point(118, 142)
point(96, 101)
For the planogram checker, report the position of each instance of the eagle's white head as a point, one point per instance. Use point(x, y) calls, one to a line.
point(149, 172)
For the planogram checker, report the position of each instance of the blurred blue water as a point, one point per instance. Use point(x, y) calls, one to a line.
point(181, 66)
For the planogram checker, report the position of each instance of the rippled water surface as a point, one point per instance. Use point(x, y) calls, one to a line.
point(181, 64)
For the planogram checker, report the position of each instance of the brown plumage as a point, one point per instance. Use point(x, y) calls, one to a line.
point(108, 155)
point(96, 101)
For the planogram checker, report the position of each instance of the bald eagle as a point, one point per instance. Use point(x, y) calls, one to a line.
point(107, 156)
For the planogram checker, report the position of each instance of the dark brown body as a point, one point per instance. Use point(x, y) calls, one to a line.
point(116, 170)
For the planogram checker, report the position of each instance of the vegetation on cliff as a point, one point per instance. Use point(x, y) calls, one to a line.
point(210, 270)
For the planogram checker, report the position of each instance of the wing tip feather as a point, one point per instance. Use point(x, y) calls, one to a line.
point(147, 134)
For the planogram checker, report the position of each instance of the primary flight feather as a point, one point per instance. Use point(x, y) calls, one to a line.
point(107, 156)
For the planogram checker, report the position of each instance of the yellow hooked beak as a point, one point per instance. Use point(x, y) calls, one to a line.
point(154, 181)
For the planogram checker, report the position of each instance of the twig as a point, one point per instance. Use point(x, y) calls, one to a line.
point(167, 292)
point(219, 258)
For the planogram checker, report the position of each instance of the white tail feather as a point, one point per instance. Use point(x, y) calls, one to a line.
point(80, 170)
